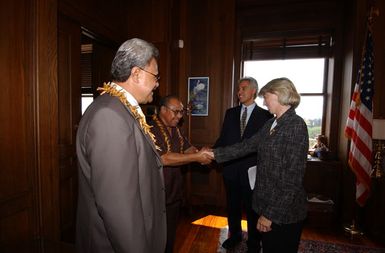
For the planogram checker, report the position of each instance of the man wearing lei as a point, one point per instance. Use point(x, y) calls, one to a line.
point(121, 203)
point(175, 150)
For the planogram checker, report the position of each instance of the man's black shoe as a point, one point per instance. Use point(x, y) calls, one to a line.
point(231, 242)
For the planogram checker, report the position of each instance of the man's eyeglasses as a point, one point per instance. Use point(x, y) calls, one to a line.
point(176, 112)
point(157, 77)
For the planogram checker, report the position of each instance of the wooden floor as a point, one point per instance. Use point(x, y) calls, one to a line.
point(198, 232)
point(199, 228)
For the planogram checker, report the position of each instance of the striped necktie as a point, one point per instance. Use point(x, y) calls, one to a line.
point(243, 120)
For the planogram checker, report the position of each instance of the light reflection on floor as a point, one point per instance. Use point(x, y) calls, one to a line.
point(214, 221)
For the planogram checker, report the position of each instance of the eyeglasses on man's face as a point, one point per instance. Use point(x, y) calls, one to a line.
point(176, 112)
point(157, 77)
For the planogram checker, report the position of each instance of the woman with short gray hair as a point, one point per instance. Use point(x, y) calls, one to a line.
point(279, 197)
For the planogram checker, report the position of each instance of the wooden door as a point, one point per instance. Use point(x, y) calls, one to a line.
point(69, 113)
point(18, 211)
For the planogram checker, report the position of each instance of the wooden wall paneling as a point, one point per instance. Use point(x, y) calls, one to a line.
point(159, 21)
point(106, 18)
point(289, 16)
point(227, 51)
point(349, 75)
point(334, 86)
point(141, 27)
point(29, 194)
point(237, 65)
point(348, 78)
point(178, 76)
point(375, 219)
point(164, 71)
point(156, 28)
point(16, 228)
point(46, 116)
point(352, 57)
point(69, 112)
point(210, 47)
point(18, 211)
point(177, 55)
point(198, 22)
point(17, 219)
point(379, 65)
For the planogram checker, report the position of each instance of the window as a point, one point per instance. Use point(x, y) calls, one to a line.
point(301, 56)
point(308, 77)
point(86, 101)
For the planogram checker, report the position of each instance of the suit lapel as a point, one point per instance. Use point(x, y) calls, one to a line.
point(238, 121)
point(149, 140)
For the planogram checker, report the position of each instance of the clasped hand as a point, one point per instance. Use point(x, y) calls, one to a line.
point(205, 155)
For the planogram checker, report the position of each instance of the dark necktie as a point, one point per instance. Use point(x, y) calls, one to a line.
point(243, 120)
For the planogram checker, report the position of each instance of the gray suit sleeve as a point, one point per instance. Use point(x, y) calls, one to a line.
point(237, 150)
point(114, 178)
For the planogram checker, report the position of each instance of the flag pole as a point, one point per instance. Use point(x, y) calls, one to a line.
point(353, 228)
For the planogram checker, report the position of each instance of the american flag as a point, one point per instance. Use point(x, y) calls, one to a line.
point(359, 124)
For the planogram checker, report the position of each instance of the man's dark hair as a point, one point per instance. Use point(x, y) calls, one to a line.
point(164, 101)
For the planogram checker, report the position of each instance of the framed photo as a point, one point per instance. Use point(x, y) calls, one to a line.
point(198, 95)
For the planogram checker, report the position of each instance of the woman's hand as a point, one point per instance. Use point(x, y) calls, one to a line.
point(264, 224)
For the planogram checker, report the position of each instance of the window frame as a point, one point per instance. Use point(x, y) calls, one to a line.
point(322, 94)
point(313, 44)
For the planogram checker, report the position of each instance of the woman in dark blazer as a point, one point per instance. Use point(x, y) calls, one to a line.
point(282, 144)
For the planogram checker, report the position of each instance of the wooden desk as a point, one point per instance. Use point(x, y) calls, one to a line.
point(323, 178)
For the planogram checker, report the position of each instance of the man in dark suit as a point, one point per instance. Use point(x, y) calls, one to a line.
point(241, 122)
point(121, 203)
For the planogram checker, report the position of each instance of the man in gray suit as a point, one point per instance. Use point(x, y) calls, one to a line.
point(121, 204)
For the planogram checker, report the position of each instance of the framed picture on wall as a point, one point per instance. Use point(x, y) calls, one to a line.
point(198, 95)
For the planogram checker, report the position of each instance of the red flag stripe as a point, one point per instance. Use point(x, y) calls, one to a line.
point(361, 146)
point(359, 171)
point(361, 196)
point(363, 119)
point(356, 159)
point(352, 113)
point(364, 163)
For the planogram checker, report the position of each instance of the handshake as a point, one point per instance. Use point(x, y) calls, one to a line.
point(204, 156)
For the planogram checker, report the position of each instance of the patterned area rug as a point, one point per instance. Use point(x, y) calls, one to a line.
point(306, 246)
